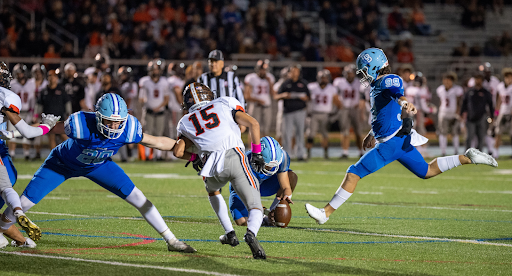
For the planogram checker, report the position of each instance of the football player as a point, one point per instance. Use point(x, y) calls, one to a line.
point(176, 80)
point(10, 108)
point(26, 91)
point(323, 96)
point(490, 84)
point(283, 76)
point(129, 90)
point(38, 73)
point(350, 114)
point(94, 137)
point(390, 137)
point(154, 95)
point(212, 126)
point(450, 95)
point(258, 93)
point(504, 105)
point(276, 178)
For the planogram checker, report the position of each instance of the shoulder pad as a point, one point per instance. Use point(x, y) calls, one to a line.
point(133, 130)
point(77, 125)
point(11, 100)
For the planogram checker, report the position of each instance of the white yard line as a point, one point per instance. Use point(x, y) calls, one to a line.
point(412, 237)
point(117, 263)
point(432, 207)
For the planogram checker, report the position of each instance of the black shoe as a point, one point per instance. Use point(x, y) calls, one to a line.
point(344, 156)
point(27, 158)
point(229, 238)
point(254, 244)
point(38, 156)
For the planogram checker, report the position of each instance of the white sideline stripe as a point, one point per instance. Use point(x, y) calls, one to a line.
point(57, 214)
point(412, 237)
point(117, 263)
point(57, 197)
point(432, 207)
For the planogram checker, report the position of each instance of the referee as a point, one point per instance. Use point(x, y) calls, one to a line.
point(223, 84)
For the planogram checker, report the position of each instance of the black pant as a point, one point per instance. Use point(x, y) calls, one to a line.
point(476, 128)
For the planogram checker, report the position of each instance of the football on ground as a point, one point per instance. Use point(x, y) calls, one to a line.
point(283, 214)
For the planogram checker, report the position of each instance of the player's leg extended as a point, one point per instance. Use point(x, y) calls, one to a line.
point(237, 208)
point(111, 177)
point(44, 181)
point(247, 187)
point(472, 156)
point(372, 161)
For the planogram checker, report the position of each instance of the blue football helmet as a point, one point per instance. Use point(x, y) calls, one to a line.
point(369, 62)
point(113, 108)
point(272, 155)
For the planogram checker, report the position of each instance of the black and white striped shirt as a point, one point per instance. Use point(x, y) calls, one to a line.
point(225, 85)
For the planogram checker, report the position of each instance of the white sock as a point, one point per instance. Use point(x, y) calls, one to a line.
point(448, 162)
point(12, 153)
point(26, 204)
point(167, 235)
point(157, 153)
point(221, 209)
point(455, 139)
point(443, 142)
point(339, 198)
point(147, 151)
point(11, 198)
point(254, 221)
point(147, 210)
point(345, 151)
point(274, 204)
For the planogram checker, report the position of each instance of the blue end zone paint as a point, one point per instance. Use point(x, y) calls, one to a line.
point(294, 242)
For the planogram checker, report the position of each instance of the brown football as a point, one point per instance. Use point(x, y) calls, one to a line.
point(283, 214)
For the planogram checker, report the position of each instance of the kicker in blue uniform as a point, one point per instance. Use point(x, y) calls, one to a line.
point(94, 137)
point(391, 137)
point(275, 179)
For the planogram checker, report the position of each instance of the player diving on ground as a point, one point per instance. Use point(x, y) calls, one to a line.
point(94, 138)
point(391, 137)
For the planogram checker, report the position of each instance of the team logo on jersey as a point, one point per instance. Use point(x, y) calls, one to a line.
point(367, 58)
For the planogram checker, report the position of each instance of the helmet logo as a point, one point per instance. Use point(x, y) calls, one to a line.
point(367, 58)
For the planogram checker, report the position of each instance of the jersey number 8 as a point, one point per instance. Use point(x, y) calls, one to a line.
point(206, 118)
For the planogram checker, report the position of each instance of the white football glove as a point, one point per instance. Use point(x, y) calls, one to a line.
point(49, 120)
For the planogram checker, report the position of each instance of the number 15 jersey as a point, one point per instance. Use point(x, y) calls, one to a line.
point(87, 147)
point(213, 130)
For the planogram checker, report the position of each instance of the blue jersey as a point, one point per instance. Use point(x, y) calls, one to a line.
point(283, 167)
point(385, 110)
point(87, 147)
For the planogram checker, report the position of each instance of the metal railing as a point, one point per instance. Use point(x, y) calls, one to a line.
point(54, 28)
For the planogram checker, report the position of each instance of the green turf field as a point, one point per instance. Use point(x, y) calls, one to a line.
point(459, 223)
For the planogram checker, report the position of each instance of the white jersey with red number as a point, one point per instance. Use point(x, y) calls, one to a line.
point(260, 87)
point(419, 97)
point(449, 99)
point(348, 91)
point(505, 94)
point(213, 130)
point(174, 82)
point(490, 85)
point(321, 99)
point(26, 92)
point(39, 88)
point(10, 100)
point(153, 93)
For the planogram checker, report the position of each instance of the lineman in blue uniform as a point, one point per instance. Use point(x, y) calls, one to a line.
point(391, 137)
point(276, 178)
point(94, 138)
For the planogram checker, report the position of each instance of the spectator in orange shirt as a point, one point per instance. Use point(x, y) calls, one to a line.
point(418, 20)
point(405, 55)
point(51, 52)
point(142, 14)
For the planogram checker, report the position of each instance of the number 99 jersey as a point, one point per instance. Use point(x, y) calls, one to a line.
point(213, 128)
point(87, 147)
point(385, 110)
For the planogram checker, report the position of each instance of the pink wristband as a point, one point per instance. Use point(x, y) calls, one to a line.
point(193, 157)
point(256, 148)
point(496, 113)
point(44, 128)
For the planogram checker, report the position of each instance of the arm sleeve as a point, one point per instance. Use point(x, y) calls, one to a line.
point(28, 131)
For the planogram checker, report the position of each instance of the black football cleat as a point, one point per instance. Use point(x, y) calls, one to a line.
point(254, 244)
point(229, 238)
